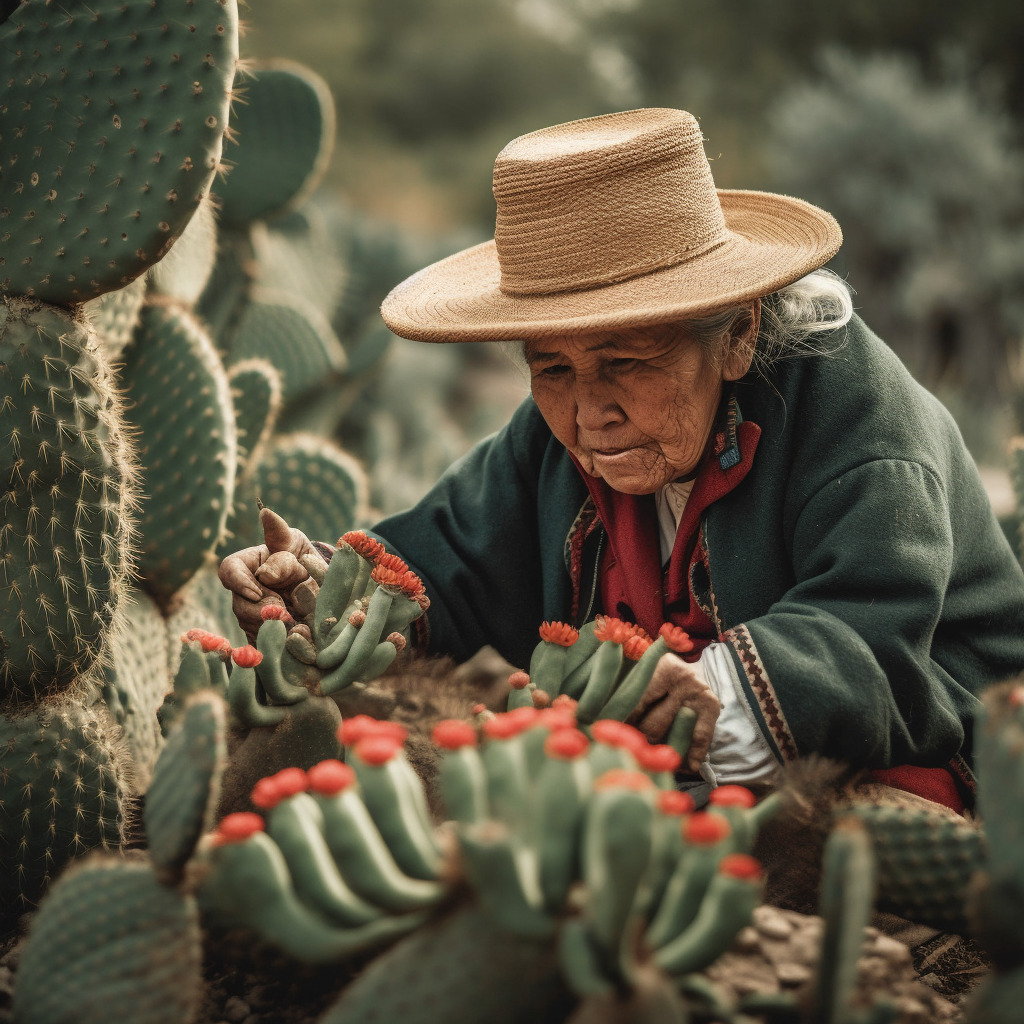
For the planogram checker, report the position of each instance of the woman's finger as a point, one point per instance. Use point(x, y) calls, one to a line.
point(237, 572)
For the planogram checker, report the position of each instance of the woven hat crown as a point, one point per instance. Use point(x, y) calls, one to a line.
point(603, 200)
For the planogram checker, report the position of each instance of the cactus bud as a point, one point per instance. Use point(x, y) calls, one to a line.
point(623, 778)
point(510, 723)
point(703, 829)
point(356, 728)
point(541, 699)
point(566, 744)
point(275, 611)
point(657, 757)
point(377, 749)
point(675, 802)
point(740, 865)
point(732, 796)
point(237, 827)
point(453, 733)
point(519, 680)
point(614, 733)
point(398, 639)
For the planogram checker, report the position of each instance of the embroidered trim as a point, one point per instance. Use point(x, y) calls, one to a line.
point(583, 526)
point(762, 689)
point(702, 539)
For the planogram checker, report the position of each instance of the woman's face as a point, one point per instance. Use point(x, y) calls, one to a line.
point(635, 406)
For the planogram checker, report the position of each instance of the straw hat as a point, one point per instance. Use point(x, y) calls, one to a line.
point(607, 222)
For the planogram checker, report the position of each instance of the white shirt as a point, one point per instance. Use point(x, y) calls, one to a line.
point(739, 753)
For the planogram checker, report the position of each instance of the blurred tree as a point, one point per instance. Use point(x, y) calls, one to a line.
point(928, 184)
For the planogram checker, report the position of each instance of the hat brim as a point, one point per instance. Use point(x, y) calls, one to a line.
point(773, 240)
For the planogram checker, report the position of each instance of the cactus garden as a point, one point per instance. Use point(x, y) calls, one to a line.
point(199, 825)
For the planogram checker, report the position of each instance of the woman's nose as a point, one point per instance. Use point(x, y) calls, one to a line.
point(596, 408)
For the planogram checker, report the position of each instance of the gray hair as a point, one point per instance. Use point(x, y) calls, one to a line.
point(803, 319)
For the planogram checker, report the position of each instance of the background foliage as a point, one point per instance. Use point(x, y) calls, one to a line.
point(902, 119)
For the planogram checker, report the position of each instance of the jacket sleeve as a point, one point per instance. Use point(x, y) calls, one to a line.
point(473, 540)
point(844, 662)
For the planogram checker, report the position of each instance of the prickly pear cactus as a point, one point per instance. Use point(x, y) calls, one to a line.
point(182, 414)
point(65, 773)
point(112, 116)
point(66, 474)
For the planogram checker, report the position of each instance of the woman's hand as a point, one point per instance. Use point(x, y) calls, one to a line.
point(266, 573)
point(676, 684)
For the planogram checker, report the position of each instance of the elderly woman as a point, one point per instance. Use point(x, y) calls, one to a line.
point(714, 440)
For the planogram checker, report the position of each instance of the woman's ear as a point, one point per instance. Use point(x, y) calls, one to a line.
point(740, 346)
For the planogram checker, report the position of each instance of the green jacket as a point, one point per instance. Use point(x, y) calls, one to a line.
point(857, 571)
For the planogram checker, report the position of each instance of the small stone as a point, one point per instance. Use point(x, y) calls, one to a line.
point(792, 974)
point(892, 950)
point(747, 940)
point(236, 1010)
point(771, 924)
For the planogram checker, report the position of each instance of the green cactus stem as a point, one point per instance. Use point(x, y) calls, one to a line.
point(247, 709)
point(503, 874)
point(295, 823)
point(249, 884)
point(727, 907)
point(847, 893)
point(357, 847)
point(139, 96)
point(605, 670)
point(707, 839)
point(561, 793)
point(256, 395)
point(180, 801)
point(616, 852)
point(109, 938)
point(66, 478)
point(394, 797)
point(626, 697)
point(548, 663)
point(462, 777)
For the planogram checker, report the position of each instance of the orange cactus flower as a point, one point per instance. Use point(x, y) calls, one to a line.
point(246, 657)
point(675, 802)
point(237, 827)
point(363, 545)
point(559, 633)
point(566, 744)
point(614, 733)
point(453, 734)
point(330, 777)
point(657, 757)
point(377, 749)
point(393, 562)
point(354, 729)
point(635, 646)
point(507, 724)
point(703, 829)
point(275, 611)
point(623, 778)
point(740, 865)
point(732, 796)
point(676, 639)
point(210, 642)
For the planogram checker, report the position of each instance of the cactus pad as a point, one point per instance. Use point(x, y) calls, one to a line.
point(109, 942)
point(63, 791)
point(285, 133)
point(181, 409)
point(112, 117)
point(136, 679)
point(308, 480)
point(183, 273)
point(114, 317)
point(186, 783)
point(256, 394)
point(65, 476)
point(293, 336)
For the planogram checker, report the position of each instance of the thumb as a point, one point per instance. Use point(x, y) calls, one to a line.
point(277, 534)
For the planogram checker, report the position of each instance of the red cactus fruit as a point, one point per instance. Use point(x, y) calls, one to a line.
point(270, 791)
point(453, 733)
point(353, 729)
point(675, 802)
point(237, 827)
point(566, 744)
point(623, 778)
point(703, 829)
point(676, 639)
point(510, 723)
point(732, 796)
point(614, 733)
point(559, 633)
point(369, 548)
point(556, 718)
point(275, 611)
point(658, 757)
point(740, 865)
point(541, 699)
point(377, 748)
point(246, 657)
point(330, 777)
point(519, 680)
point(357, 618)
point(398, 640)
point(563, 700)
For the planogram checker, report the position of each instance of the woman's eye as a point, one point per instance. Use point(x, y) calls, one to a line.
point(555, 370)
point(624, 364)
